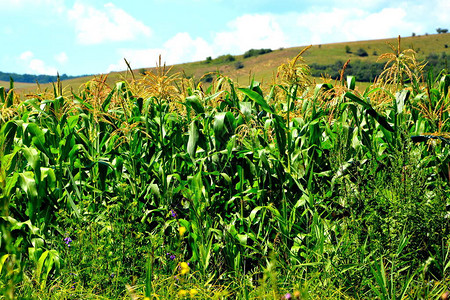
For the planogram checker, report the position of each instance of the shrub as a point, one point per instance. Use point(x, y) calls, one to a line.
point(361, 52)
point(238, 65)
point(256, 52)
point(225, 58)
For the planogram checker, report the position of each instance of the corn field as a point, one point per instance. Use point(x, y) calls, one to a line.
point(160, 187)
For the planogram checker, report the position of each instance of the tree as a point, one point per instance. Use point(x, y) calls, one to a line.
point(441, 30)
point(361, 52)
point(347, 49)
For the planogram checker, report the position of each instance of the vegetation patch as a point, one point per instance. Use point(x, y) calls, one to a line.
point(159, 187)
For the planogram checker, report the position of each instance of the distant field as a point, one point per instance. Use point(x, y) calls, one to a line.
point(264, 67)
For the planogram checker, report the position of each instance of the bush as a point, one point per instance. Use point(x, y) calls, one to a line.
point(238, 65)
point(225, 58)
point(256, 52)
point(361, 52)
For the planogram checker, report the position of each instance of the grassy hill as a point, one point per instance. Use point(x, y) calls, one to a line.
point(264, 67)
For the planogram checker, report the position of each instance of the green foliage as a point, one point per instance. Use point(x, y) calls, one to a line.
point(159, 188)
point(238, 65)
point(33, 78)
point(225, 59)
point(256, 52)
point(362, 70)
point(361, 52)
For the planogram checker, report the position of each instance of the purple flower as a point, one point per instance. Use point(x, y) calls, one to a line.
point(67, 240)
point(287, 296)
point(173, 213)
point(171, 256)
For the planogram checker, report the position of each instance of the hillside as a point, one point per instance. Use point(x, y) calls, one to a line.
point(264, 67)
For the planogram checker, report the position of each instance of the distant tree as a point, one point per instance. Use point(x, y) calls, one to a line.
point(208, 59)
point(225, 58)
point(361, 52)
point(256, 52)
point(441, 30)
point(347, 49)
point(413, 34)
point(238, 65)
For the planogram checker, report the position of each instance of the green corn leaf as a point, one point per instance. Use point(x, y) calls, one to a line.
point(2, 261)
point(351, 82)
point(400, 100)
point(193, 139)
point(370, 111)
point(444, 85)
point(40, 264)
point(28, 184)
point(258, 99)
point(2, 95)
point(33, 157)
point(10, 95)
point(195, 102)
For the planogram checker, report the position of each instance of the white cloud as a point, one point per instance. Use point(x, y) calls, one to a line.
point(61, 57)
point(181, 48)
point(251, 31)
point(111, 24)
point(352, 24)
point(36, 66)
point(27, 55)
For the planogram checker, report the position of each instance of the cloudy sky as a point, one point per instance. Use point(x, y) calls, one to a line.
point(78, 37)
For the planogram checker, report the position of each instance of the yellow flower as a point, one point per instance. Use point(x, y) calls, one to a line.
point(184, 268)
point(182, 293)
point(193, 292)
point(182, 230)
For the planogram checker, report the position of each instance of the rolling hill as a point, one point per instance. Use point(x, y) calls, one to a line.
point(263, 67)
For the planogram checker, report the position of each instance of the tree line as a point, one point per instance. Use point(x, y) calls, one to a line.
point(29, 78)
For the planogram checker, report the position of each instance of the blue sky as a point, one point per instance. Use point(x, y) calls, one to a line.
point(78, 37)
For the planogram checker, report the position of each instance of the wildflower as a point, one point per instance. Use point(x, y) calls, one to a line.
point(297, 294)
point(182, 293)
point(184, 268)
point(67, 240)
point(171, 256)
point(287, 296)
point(182, 231)
point(193, 292)
point(173, 213)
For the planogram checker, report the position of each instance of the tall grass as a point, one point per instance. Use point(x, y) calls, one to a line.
point(162, 188)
